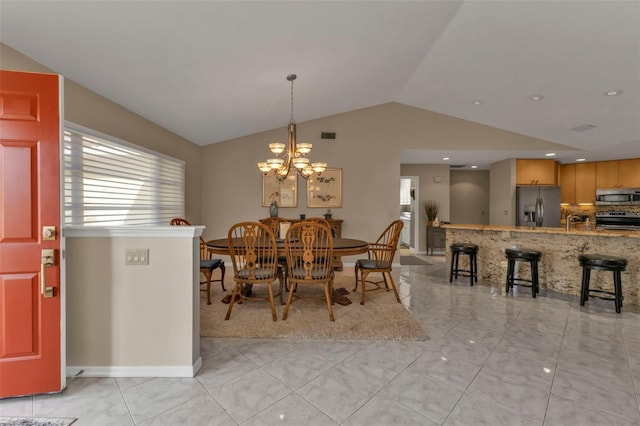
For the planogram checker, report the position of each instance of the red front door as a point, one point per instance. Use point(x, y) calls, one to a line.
point(29, 202)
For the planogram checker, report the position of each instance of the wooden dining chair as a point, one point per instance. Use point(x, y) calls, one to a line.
point(324, 222)
point(380, 259)
point(275, 224)
point(254, 254)
point(309, 250)
point(208, 263)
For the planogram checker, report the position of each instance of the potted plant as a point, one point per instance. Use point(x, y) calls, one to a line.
point(431, 210)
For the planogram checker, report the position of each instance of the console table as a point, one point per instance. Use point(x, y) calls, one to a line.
point(436, 238)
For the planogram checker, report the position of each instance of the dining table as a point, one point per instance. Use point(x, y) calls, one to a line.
point(341, 246)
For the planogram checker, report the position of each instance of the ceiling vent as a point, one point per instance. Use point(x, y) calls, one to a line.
point(457, 166)
point(328, 135)
point(584, 128)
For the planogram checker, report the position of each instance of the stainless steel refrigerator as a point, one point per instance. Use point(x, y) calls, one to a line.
point(538, 206)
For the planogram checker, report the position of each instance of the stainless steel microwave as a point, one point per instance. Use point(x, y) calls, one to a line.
point(618, 196)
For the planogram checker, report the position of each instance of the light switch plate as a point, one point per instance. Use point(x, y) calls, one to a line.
point(137, 257)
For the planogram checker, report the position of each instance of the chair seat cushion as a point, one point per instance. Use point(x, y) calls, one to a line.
point(523, 253)
point(372, 264)
point(603, 261)
point(463, 248)
point(260, 273)
point(316, 273)
point(210, 263)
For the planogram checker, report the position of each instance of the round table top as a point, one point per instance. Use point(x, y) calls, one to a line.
point(341, 246)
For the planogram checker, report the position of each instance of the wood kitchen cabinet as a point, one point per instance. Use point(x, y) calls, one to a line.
point(607, 174)
point(578, 183)
point(536, 172)
point(629, 173)
point(618, 173)
point(585, 183)
point(568, 183)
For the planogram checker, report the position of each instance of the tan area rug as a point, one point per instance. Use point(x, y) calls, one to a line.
point(381, 318)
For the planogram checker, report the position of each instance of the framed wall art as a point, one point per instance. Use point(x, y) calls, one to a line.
point(325, 190)
point(285, 193)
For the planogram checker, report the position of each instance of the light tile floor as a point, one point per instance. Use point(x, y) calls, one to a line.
point(492, 359)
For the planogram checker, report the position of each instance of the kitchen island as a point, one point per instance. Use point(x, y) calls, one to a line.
point(559, 268)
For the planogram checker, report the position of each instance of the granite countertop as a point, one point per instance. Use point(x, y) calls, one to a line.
point(543, 230)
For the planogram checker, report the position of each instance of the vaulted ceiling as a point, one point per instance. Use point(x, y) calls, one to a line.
point(212, 71)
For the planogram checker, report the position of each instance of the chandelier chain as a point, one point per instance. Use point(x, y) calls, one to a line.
point(291, 119)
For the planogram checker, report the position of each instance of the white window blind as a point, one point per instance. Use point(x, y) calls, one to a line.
point(111, 182)
point(405, 191)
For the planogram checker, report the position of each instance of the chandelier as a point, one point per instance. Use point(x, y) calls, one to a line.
point(293, 156)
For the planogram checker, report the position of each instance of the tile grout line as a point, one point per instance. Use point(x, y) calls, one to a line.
point(555, 370)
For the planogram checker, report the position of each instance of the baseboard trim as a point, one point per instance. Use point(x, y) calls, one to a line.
point(135, 371)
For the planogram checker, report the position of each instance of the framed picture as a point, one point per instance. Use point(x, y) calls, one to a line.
point(285, 193)
point(325, 190)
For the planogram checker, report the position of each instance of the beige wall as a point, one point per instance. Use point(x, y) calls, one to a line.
point(132, 315)
point(87, 108)
point(502, 194)
point(470, 196)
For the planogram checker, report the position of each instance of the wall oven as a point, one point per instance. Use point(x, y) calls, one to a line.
point(618, 196)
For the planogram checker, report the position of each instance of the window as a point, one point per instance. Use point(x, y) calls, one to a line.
point(405, 192)
point(111, 182)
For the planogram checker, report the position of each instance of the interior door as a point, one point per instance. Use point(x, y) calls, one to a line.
point(30, 357)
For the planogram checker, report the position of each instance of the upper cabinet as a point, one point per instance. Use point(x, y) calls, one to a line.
point(578, 183)
point(536, 172)
point(585, 183)
point(629, 172)
point(607, 174)
point(618, 173)
point(568, 183)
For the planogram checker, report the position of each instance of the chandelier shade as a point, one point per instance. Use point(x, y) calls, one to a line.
point(291, 157)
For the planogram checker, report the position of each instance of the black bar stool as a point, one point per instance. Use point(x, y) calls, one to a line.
point(602, 262)
point(463, 248)
point(523, 255)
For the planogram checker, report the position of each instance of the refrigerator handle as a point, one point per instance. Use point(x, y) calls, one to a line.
point(539, 211)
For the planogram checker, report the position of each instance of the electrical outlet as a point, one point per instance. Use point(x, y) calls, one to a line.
point(137, 257)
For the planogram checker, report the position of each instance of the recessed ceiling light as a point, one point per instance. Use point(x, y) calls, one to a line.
point(478, 102)
point(445, 158)
point(536, 97)
point(614, 92)
point(584, 128)
point(550, 154)
point(474, 167)
point(581, 159)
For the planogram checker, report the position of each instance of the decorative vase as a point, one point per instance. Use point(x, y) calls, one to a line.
point(273, 209)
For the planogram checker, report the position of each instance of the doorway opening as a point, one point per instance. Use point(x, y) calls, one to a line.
point(409, 214)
